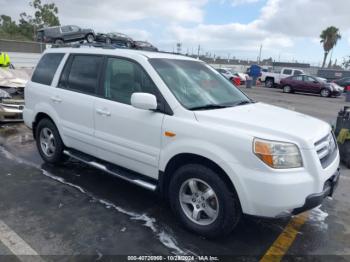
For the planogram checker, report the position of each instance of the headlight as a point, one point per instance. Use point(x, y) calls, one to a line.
point(276, 154)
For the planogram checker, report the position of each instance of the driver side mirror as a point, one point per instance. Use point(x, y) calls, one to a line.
point(144, 101)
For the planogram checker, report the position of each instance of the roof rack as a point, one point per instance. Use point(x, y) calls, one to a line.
point(95, 44)
point(105, 46)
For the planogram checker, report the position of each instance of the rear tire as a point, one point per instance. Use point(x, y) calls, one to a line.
point(90, 38)
point(269, 83)
point(59, 42)
point(325, 92)
point(212, 210)
point(49, 142)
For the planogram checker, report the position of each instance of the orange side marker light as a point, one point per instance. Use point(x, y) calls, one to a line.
point(169, 134)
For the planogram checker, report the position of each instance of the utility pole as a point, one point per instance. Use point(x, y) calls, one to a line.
point(199, 49)
point(260, 54)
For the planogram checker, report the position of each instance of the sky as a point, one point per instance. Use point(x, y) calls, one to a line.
point(287, 30)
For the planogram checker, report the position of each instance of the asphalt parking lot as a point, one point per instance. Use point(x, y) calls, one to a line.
point(75, 210)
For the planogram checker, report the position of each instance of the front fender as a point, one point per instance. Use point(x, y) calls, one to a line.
point(220, 156)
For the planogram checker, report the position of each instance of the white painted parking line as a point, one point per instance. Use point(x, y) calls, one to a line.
point(17, 245)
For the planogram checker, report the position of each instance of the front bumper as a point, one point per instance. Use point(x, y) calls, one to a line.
point(11, 111)
point(315, 200)
point(336, 93)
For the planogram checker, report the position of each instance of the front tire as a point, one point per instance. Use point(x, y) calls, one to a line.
point(287, 89)
point(49, 142)
point(203, 202)
point(325, 92)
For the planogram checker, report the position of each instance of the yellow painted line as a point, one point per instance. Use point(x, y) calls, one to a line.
point(281, 245)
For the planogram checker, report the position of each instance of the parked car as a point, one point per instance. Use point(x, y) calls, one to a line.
point(272, 79)
point(11, 110)
point(226, 73)
point(242, 77)
point(64, 34)
point(310, 84)
point(115, 38)
point(344, 82)
point(173, 125)
point(234, 79)
point(144, 45)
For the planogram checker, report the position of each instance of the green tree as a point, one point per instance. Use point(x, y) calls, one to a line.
point(7, 25)
point(329, 38)
point(346, 62)
point(45, 14)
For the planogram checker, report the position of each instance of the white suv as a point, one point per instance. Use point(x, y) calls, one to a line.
point(173, 124)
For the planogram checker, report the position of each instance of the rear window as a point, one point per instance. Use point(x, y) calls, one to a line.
point(287, 71)
point(46, 68)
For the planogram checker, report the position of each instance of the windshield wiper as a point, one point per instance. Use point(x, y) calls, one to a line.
point(208, 106)
point(243, 102)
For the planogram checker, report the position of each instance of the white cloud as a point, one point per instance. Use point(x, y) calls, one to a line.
point(279, 26)
point(243, 2)
point(122, 12)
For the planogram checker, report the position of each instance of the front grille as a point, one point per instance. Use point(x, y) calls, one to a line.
point(326, 149)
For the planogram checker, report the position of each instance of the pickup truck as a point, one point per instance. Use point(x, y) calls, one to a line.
point(272, 79)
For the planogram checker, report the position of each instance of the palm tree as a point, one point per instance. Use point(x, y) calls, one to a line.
point(329, 38)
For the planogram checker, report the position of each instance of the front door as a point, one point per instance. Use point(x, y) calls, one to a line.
point(127, 136)
point(311, 85)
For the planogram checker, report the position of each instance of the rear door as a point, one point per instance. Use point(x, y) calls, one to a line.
point(297, 83)
point(74, 100)
point(127, 136)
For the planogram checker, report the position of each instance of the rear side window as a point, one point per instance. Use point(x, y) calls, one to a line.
point(298, 78)
point(297, 72)
point(82, 73)
point(46, 68)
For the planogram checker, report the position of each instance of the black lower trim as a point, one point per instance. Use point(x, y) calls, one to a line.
point(315, 200)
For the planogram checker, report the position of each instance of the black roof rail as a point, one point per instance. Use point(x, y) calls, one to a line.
point(95, 44)
point(106, 46)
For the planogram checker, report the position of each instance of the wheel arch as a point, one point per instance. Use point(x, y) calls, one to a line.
point(269, 78)
point(38, 117)
point(182, 159)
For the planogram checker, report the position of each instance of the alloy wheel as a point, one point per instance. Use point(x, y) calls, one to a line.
point(47, 142)
point(199, 201)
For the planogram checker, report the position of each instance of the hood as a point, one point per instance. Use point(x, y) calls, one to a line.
point(268, 122)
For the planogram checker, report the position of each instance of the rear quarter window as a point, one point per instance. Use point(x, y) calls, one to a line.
point(46, 68)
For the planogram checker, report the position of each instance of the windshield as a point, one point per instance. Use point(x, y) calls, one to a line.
point(196, 85)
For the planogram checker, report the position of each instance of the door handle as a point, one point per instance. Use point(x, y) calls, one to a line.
point(103, 112)
point(56, 99)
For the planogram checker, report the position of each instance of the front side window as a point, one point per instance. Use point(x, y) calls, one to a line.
point(46, 68)
point(83, 74)
point(123, 78)
point(196, 85)
point(74, 28)
point(309, 79)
